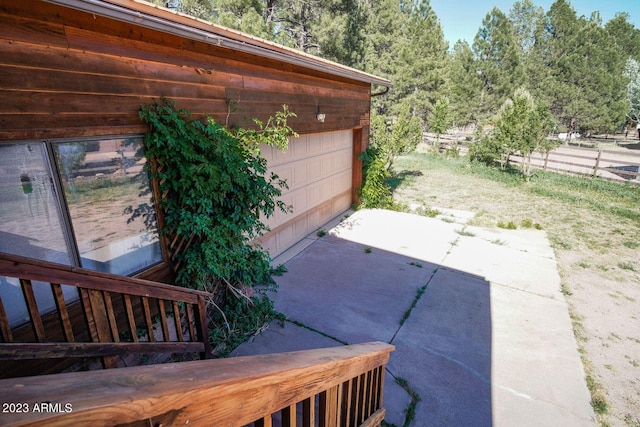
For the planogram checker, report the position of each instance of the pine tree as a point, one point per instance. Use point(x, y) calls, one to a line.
point(384, 35)
point(420, 76)
point(626, 36)
point(498, 61)
point(465, 86)
point(339, 32)
point(243, 15)
point(584, 86)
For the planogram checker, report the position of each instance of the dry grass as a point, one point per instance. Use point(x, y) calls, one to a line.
point(594, 227)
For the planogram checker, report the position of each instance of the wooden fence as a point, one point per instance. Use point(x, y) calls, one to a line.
point(613, 165)
point(339, 386)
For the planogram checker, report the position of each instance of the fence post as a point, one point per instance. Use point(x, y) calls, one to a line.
point(546, 160)
point(595, 169)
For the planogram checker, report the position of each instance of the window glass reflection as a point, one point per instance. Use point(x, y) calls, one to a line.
point(30, 219)
point(109, 201)
point(30, 224)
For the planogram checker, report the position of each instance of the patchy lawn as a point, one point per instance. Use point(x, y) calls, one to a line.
point(594, 227)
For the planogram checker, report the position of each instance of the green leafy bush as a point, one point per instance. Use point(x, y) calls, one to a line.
point(375, 192)
point(242, 320)
point(393, 137)
point(388, 140)
point(489, 151)
point(215, 191)
point(521, 126)
point(508, 226)
point(441, 118)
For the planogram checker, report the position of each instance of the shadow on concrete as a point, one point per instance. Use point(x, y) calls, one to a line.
point(438, 318)
point(486, 337)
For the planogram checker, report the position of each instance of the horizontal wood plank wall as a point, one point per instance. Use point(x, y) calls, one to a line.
point(65, 73)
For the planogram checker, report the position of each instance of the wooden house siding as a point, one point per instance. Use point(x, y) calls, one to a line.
point(66, 73)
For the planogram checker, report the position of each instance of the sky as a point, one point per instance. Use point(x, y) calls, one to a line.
point(461, 19)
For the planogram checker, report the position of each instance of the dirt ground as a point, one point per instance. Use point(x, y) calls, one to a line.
point(597, 256)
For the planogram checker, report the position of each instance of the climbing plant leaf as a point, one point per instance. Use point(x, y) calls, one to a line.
point(216, 192)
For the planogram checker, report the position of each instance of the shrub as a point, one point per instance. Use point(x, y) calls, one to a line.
point(216, 189)
point(521, 126)
point(508, 226)
point(394, 137)
point(387, 142)
point(375, 192)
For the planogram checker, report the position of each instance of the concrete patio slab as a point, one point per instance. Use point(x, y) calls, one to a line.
point(415, 236)
point(535, 361)
point(506, 264)
point(345, 291)
point(445, 214)
point(444, 351)
point(489, 342)
point(534, 242)
point(282, 337)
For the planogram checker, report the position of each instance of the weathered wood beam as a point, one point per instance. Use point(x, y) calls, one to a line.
point(25, 268)
point(24, 351)
point(233, 391)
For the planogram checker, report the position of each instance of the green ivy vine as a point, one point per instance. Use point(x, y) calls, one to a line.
point(216, 190)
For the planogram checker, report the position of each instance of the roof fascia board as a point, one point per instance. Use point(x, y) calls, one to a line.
point(149, 16)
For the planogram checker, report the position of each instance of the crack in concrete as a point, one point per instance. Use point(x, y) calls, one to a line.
point(415, 397)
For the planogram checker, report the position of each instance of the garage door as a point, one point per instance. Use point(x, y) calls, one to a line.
point(318, 171)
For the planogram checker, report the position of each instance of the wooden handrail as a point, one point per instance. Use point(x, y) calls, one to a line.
point(340, 386)
point(32, 269)
point(109, 303)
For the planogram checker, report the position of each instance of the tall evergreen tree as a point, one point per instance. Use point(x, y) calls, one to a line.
point(626, 36)
point(420, 76)
point(498, 61)
point(243, 15)
point(339, 31)
point(584, 87)
point(355, 37)
point(385, 34)
point(465, 85)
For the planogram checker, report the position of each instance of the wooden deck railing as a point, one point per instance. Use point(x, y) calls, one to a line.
point(119, 315)
point(339, 386)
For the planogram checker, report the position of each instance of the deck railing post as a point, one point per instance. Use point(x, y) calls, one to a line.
point(202, 329)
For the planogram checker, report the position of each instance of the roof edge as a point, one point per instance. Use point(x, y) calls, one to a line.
point(166, 20)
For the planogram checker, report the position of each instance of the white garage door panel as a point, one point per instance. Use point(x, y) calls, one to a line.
point(317, 169)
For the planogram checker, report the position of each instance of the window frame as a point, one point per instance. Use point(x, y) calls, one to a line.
point(63, 208)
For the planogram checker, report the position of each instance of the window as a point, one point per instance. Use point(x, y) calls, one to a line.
point(104, 181)
point(77, 202)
